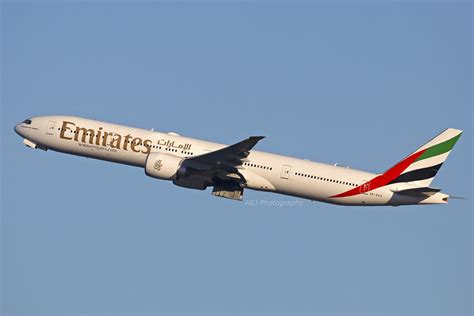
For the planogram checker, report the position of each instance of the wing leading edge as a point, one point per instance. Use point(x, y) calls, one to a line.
point(220, 168)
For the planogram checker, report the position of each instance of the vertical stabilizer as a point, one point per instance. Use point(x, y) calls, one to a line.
point(428, 159)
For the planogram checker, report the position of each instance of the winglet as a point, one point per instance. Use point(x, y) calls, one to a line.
point(254, 140)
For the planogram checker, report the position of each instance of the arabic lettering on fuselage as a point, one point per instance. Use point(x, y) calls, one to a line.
point(100, 137)
point(169, 144)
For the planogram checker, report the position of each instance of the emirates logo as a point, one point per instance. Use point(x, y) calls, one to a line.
point(157, 166)
point(365, 187)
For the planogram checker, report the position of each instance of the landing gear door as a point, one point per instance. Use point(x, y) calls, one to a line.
point(285, 172)
point(51, 127)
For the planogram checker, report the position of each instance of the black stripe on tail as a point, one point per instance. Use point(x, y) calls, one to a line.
point(419, 174)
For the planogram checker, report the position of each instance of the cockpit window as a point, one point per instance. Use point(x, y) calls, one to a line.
point(27, 121)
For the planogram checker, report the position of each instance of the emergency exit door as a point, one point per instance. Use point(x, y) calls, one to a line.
point(285, 172)
point(50, 128)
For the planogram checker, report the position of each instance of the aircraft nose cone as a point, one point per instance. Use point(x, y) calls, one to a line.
point(17, 129)
point(20, 131)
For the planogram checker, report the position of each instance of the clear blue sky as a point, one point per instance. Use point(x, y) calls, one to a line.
point(360, 84)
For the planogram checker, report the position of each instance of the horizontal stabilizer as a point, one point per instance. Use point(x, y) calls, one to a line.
point(418, 191)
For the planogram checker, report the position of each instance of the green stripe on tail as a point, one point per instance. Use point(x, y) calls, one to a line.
point(439, 149)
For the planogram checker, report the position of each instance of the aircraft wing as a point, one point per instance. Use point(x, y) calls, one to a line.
point(219, 168)
point(228, 156)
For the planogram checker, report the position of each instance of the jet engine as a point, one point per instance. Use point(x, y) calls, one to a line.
point(169, 167)
point(164, 166)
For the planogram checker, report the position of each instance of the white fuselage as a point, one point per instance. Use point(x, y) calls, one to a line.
point(263, 171)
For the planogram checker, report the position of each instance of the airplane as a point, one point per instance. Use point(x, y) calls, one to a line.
point(198, 164)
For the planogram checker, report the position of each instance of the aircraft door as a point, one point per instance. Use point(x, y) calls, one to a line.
point(51, 127)
point(285, 172)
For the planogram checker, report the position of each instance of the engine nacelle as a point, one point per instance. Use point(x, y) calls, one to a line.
point(164, 166)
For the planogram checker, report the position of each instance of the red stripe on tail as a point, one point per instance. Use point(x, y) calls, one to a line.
point(384, 179)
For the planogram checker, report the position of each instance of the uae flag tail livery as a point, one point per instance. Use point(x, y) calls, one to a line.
point(428, 159)
point(231, 169)
point(414, 174)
